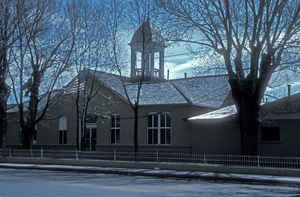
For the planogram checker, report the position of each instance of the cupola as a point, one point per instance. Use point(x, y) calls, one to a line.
point(147, 42)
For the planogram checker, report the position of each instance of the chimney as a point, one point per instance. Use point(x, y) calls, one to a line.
point(168, 75)
point(185, 75)
point(289, 89)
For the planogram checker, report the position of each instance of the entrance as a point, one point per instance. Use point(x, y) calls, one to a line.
point(90, 137)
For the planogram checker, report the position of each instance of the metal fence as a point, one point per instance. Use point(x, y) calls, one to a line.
point(214, 159)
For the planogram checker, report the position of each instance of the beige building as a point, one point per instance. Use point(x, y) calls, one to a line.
point(182, 115)
point(164, 106)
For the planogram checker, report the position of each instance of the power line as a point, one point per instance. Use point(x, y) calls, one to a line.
point(174, 55)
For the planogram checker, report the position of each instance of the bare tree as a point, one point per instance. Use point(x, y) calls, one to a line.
point(251, 36)
point(40, 57)
point(138, 13)
point(11, 12)
point(89, 55)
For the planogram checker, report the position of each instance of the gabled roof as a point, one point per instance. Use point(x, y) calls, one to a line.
point(208, 91)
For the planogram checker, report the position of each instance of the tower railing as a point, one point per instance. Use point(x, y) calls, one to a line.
point(139, 73)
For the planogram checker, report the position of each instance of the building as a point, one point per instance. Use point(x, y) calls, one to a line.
point(164, 106)
point(182, 115)
point(278, 131)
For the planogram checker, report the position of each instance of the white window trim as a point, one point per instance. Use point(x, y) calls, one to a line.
point(62, 123)
point(114, 129)
point(91, 125)
point(158, 128)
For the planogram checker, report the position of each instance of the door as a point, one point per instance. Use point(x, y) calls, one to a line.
point(90, 137)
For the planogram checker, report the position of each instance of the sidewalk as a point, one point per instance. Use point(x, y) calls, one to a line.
point(213, 175)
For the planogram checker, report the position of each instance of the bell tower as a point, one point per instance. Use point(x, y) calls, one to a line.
point(148, 43)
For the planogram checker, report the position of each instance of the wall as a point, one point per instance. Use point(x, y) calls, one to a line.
point(289, 144)
point(218, 136)
point(105, 103)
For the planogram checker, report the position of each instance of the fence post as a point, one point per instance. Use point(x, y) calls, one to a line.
point(42, 153)
point(157, 156)
point(204, 158)
point(258, 164)
point(115, 155)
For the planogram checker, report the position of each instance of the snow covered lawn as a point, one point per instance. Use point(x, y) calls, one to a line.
point(36, 183)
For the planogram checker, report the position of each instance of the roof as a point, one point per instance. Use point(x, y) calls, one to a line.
point(208, 91)
point(156, 93)
point(217, 114)
point(284, 108)
point(42, 103)
point(147, 33)
point(205, 91)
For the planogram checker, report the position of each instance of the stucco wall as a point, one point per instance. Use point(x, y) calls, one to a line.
point(107, 102)
point(289, 144)
point(219, 136)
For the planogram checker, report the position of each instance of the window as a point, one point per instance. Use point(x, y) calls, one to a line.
point(159, 128)
point(62, 130)
point(62, 138)
point(115, 129)
point(270, 133)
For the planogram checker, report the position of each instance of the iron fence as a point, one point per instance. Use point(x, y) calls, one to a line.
point(213, 159)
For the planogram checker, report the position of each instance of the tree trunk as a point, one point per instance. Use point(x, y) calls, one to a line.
point(3, 115)
point(27, 132)
point(135, 131)
point(246, 98)
point(4, 93)
point(28, 126)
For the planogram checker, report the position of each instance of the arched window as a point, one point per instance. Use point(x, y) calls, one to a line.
point(159, 128)
point(62, 130)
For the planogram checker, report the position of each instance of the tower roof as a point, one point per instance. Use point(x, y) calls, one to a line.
point(147, 33)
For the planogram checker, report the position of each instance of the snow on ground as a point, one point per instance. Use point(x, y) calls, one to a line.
point(36, 183)
point(31, 183)
point(157, 171)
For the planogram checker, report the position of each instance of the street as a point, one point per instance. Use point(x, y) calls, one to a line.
point(35, 183)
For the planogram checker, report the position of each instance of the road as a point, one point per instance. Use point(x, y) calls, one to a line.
point(35, 183)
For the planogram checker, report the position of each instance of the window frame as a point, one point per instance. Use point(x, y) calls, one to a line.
point(63, 130)
point(63, 137)
point(159, 128)
point(115, 129)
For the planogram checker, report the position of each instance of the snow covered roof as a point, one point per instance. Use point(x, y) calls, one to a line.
point(156, 93)
point(217, 114)
point(285, 108)
point(208, 91)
